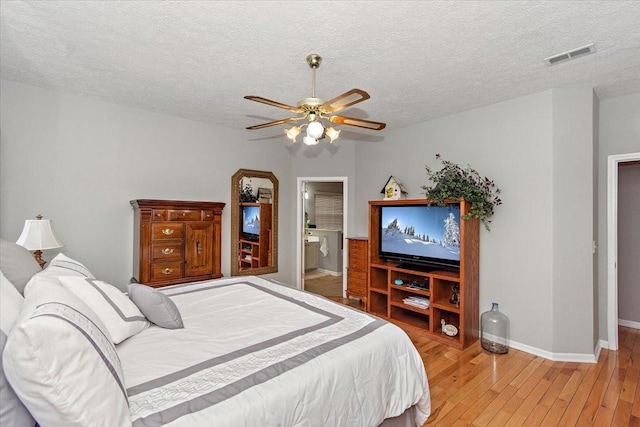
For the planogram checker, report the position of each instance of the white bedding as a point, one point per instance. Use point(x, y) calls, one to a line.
point(256, 353)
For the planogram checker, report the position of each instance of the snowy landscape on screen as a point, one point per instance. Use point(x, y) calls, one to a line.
point(413, 231)
point(251, 220)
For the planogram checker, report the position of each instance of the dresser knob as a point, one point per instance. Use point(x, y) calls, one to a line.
point(167, 231)
point(167, 251)
point(167, 270)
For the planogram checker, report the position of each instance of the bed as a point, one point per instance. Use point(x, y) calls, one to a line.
point(250, 352)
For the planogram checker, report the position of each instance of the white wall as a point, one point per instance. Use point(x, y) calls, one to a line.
point(527, 146)
point(79, 162)
point(573, 217)
point(619, 134)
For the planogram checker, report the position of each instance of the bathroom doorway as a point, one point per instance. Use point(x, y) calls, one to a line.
point(322, 215)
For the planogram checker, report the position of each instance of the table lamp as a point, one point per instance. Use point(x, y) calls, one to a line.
point(37, 235)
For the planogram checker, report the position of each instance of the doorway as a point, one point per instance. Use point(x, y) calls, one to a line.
point(321, 260)
point(613, 164)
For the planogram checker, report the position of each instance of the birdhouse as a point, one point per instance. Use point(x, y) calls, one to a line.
point(394, 189)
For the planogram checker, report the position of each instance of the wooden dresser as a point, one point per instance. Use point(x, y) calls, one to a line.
point(176, 241)
point(357, 268)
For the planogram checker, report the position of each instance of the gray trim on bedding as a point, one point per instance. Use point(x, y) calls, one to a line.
point(113, 305)
point(265, 374)
point(230, 390)
point(101, 343)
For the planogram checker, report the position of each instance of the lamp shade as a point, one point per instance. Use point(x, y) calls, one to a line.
point(309, 140)
point(38, 234)
point(315, 130)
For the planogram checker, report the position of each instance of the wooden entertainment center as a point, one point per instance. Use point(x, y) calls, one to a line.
point(257, 253)
point(385, 297)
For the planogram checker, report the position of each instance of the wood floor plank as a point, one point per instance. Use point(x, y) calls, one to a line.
point(532, 399)
point(635, 411)
point(622, 414)
point(579, 399)
point(570, 388)
point(604, 417)
point(500, 419)
point(555, 413)
point(536, 417)
point(593, 403)
point(493, 409)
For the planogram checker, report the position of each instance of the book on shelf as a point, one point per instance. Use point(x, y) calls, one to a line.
point(419, 302)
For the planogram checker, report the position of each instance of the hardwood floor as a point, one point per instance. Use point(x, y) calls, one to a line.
point(325, 285)
point(475, 388)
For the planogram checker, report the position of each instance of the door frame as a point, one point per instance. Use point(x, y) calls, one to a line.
point(301, 184)
point(613, 162)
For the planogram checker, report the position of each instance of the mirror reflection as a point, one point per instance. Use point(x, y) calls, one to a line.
point(254, 223)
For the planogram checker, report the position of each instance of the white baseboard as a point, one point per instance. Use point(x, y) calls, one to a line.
point(629, 323)
point(559, 357)
point(330, 272)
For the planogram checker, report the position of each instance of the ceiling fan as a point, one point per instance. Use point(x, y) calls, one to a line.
point(313, 110)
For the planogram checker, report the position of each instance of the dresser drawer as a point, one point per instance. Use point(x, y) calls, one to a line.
point(207, 215)
point(357, 262)
point(159, 215)
point(184, 215)
point(356, 281)
point(166, 230)
point(166, 251)
point(358, 247)
point(357, 254)
point(166, 271)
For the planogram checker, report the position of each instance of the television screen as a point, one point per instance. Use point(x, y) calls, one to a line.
point(421, 234)
point(251, 221)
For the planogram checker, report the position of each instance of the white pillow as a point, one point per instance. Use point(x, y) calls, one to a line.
point(120, 315)
point(60, 265)
point(12, 410)
point(61, 362)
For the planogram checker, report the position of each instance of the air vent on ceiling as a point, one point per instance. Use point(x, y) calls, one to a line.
point(572, 54)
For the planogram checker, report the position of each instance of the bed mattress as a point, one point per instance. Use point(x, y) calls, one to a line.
point(257, 353)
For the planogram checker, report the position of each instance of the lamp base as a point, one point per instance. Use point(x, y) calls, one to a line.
point(38, 256)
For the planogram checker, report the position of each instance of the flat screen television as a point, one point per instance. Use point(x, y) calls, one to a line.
point(251, 222)
point(421, 237)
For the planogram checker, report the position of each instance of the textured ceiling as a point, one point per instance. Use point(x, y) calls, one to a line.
point(418, 60)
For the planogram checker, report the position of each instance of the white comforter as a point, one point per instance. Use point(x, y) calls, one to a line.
point(256, 353)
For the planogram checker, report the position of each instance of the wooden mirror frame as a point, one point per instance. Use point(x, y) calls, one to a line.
point(236, 182)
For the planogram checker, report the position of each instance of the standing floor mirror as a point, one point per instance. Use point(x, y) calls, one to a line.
point(254, 223)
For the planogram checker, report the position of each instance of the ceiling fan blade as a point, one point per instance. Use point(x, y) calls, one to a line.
point(361, 123)
point(274, 123)
point(345, 100)
point(273, 103)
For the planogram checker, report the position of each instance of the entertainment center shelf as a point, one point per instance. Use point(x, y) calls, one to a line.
point(255, 252)
point(394, 287)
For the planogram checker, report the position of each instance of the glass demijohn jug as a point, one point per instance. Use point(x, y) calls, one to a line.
point(494, 330)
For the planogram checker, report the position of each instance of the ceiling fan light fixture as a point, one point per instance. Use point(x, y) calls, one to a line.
point(308, 140)
point(315, 130)
point(332, 134)
point(292, 133)
point(314, 111)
